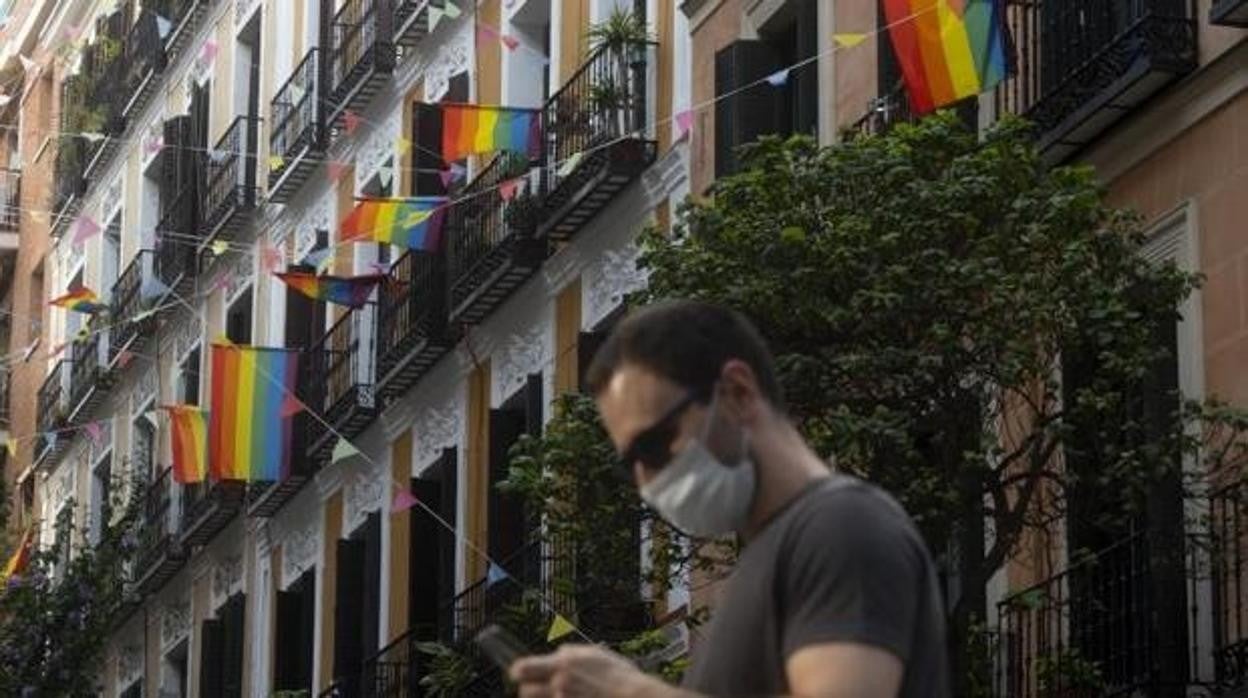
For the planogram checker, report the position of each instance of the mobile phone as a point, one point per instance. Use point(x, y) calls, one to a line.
point(500, 646)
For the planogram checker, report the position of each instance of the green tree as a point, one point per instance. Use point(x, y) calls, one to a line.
point(919, 290)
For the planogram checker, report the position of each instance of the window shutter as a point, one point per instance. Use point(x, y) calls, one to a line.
point(448, 468)
point(427, 125)
point(425, 558)
point(744, 116)
point(347, 610)
point(587, 346)
point(307, 627)
point(211, 655)
point(533, 401)
point(370, 628)
point(805, 80)
point(504, 518)
point(288, 642)
point(235, 628)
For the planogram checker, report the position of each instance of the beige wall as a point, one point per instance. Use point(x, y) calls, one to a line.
point(720, 27)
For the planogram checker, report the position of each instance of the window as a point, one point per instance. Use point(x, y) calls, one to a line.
point(509, 523)
point(428, 163)
point(238, 319)
point(26, 515)
point(101, 493)
point(188, 378)
point(358, 603)
point(143, 441)
point(221, 652)
point(174, 672)
point(296, 621)
point(110, 256)
point(35, 308)
point(432, 567)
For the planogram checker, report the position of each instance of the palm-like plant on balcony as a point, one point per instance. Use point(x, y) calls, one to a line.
point(523, 214)
point(619, 32)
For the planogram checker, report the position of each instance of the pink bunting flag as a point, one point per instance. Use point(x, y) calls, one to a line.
point(94, 431)
point(485, 33)
point(270, 257)
point(379, 267)
point(59, 349)
point(334, 170)
point(446, 176)
point(151, 146)
point(507, 189)
point(684, 121)
point(511, 42)
point(220, 283)
point(209, 51)
point(351, 120)
point(403, 501)
point(291, 406)
point(84, 229)
point(124, 358)
point(70, 31)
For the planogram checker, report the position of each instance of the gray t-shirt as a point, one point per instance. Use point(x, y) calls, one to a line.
point(840, 563)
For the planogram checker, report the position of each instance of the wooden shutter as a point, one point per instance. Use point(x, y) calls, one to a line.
point(234, 631)
point(425, 548)
point(427, 127)
point(211, 653)
point(347, 609)
point(307, 627)
point(805, 80)
point(287, 642)
point(534, 401)
point(505, 517)
point(587, 346)
point(742, 117)
point(448, 469)
point(370, 627)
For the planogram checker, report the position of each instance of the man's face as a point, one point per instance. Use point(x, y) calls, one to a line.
point(652, 415)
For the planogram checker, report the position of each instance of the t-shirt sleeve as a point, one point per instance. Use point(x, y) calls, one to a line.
point(852, 573)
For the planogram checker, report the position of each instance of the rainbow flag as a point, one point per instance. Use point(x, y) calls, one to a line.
point(20, 558)
point(471, 129)
point(948, 49)
point(189, 436)
point(413, 223)
point(81, 299)
point(248, 431)
point(353, 291)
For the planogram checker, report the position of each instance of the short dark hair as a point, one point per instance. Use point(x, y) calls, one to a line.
point(687, 342)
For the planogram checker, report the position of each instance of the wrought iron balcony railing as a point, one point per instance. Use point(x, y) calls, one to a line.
point(89, 375)
point(10, 199)
point(884, 112)
point(598, 117)
point(207, 507)
point(412, 321)
point(492, 245)
point(145, 59)
point(158, 556)
point(1228, 518)
point(412, 20)
point(1231, 13)
point(395, 670)
point(298, 112)
point(230, 178)
point(69, 185)
point(1081, 66)
point(51, 402)
point(177, 236)
point(128, 302)
point(342, 364)
point(362, 53)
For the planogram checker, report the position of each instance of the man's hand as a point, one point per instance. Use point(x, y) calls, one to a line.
point(585, 671)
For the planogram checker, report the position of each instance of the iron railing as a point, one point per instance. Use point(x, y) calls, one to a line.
point(176, 234)
point(86, 366)
point(1228, 516)
point(341, 363)
point(363, 34)
point(128, 301)
point(477, 225)
point(230, 173)
point(394, 671)
point(412, 307)
point(145, 57)
point(10, 199)
point(4, 397)
point(156, 530)
point(603, 101)
point(298, 112)
point(884, 112)
point(51, 400)
point(1068, 51)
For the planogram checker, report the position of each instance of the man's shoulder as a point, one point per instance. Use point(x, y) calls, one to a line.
point(844, 511)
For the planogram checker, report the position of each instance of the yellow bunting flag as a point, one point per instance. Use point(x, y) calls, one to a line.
point(219, 247)
point(344, 449)
point(849, 40)
point(403, 145)
point(11, 446)
point(276, 162)
point(560, 627)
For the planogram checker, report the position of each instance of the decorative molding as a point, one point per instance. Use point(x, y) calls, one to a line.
point(299, 553)
point(186, 336)
point(437, 429)
point(379, 147)
point(328, 481)
point(130, 663)
point(612, 277)
point(145, 387)
point(243, 9)
point(522, 354)
point(175, 623)
point(452, 58)
point(364, 494)
point(227, 577)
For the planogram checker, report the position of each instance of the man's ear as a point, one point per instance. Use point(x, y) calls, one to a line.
point(739, 391)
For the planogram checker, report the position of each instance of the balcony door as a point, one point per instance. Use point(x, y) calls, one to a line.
point(358, 604)
point(507, 520)
point(432, 547)
point(221, 650)
point(296, 626)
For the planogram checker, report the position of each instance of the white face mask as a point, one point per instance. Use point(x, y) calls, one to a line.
point(701, 495)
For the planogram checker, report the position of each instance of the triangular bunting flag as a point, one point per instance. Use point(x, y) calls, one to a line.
point(59, 349)
point(570, 164)
point(84, 229)
point(27, 64)
point(209, 51)
point(5, 99)
point(92, 136)
point(402, 145)
point(94, 431)
point(452, 10)
point(494, 574)
point(385, 175)
point(351, 120)
point(163, 26)
point(29, 350)
point(684, 121)
point(446, 176)
point(849, 40)
point(507, 189)
point(296, 93)
point(10, 445)
point(486, 33)
point(124, 358)
point(511, 42)
point(316, 257)
point(140, 317)
point(334, 170)
point(220, 247)
point(778, 78)
point(291, 406)
point(151, 146)
point(435, 16)
point(270, 257)
point(276, 162)
point(403, 501)
point(560, 627)
point(344, 449)
point(153, 287)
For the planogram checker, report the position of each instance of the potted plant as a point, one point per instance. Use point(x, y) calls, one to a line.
point(620, 33)
point(448, 672)
point(523, 214)
point(1067, 674)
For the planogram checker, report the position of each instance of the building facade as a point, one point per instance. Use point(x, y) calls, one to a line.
point(205, 143)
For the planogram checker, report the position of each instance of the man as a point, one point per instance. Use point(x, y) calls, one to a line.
point(834, 593)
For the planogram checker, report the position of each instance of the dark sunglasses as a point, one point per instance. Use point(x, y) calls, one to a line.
point(653, 446)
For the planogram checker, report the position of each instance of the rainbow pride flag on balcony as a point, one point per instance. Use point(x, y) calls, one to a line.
point(188, 427)
point(350, 291)
point(249, 432)
point(81, 299)
point(472, 129)
point(412, 223)
point(947, 49)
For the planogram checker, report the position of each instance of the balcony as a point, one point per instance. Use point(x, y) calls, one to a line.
point(412, 333)
point(492, 245)
point(884, 112)
point(1231, 13)
point(599, 115)
point(342, 386)
point(184, 18)
point(68, 186)
point(145, 60)
point(1080, 67)
point(159, 556)
point(230, 175)
point(396, 670)
point(103, 65)
point(176, 235)
point(411, 20)
point(52, 403)
point(298, 130)
point(128, 302)
point(90, 380)
point(1229, 527)
point(1114, 624)
point(10, 202)
point(207, 507)
point(361, 53)
point(264, 499)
